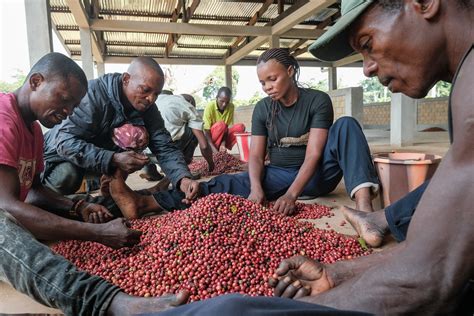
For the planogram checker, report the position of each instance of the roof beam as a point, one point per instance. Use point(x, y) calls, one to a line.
point(306, 34)
point(79, 13)
point(61, 39)
point(348, 60)
point(296, 51)
point(299, 15)
point(187, 14)
point(253, 20)
point(304, 10)
point(179, 28)
point(170, 42)
point(209, 61)
point(245, 50)
point(294, 47)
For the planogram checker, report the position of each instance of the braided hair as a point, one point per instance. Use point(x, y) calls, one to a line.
point(282, 56)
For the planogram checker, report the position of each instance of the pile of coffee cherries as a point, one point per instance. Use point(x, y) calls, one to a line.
point(221, 244)
point(224, 163)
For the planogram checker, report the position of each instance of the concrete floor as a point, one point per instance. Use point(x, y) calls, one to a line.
point(13, 302)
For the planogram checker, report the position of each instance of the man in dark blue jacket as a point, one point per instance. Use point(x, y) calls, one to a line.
point(84, 142)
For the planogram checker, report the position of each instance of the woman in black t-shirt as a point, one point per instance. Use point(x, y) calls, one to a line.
point(307, 155)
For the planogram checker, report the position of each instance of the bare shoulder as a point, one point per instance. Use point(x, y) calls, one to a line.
point(462, 104)
point(464, 81)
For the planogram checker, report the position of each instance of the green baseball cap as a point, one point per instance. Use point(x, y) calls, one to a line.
point(334, 44)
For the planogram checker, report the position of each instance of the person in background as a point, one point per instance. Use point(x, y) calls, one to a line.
point(185, 126)
point(189, 98)
point(218, 121)
point(83, 142)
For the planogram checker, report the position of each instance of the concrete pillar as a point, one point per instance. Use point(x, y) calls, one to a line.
point(354, 104)
point(100, 69)
point(402, 120)
point(332, 78)
point(86, 53)
point(274, 41)
point(38, 29)
point(228, 76)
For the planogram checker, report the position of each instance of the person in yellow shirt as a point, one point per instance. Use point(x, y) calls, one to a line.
point(218, 120)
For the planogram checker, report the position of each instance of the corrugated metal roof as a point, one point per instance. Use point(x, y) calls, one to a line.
point(207, 12)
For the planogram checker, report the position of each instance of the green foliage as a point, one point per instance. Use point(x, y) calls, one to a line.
point(215, 80)
point(374, 91)
point(257, 96)
point(12, 86)
point(321, 85)
point(442, 89)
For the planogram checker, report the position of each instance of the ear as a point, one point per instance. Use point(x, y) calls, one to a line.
point(125, 78)
point(35, 81)
point(291, 71)
point(427, 8)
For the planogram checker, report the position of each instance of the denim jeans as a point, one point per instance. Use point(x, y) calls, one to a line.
point(237, 305)
point(346, 154)
point(399, 214)
point(63, 177)
point(33, 269)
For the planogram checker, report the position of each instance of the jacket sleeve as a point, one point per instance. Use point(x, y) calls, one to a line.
point(169, 157)
point(75, 137)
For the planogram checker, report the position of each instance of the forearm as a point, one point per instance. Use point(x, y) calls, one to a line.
point(209, 139)
point(47, 226)
point(256, 166)
point(342, 271)
point(47, 199)
point(204, 146)
point(305, 173)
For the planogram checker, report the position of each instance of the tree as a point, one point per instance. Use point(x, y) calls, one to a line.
point(321, 85)
point(442, 89)
point(374, 91)
point(12, 86)
point(215, 80)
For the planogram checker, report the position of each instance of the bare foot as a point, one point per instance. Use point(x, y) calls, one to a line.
point(370, 226)
point(363, 199)
point(124, 305)
point(163, 185)
point(104, 185)
point(131, 204)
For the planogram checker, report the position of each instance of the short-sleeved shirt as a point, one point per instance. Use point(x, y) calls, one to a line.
point(177, 114)
point(287, 138)
point(21, 146)
point(212, 115)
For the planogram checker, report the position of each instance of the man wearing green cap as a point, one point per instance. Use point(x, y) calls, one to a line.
point(409, 45)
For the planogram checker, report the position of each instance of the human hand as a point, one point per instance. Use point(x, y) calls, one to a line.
point(285, 205)
point(129, 161)
point(257, 196)
point(190, 188)
point(300, 276)
point(94, 213)
point(117, 234)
